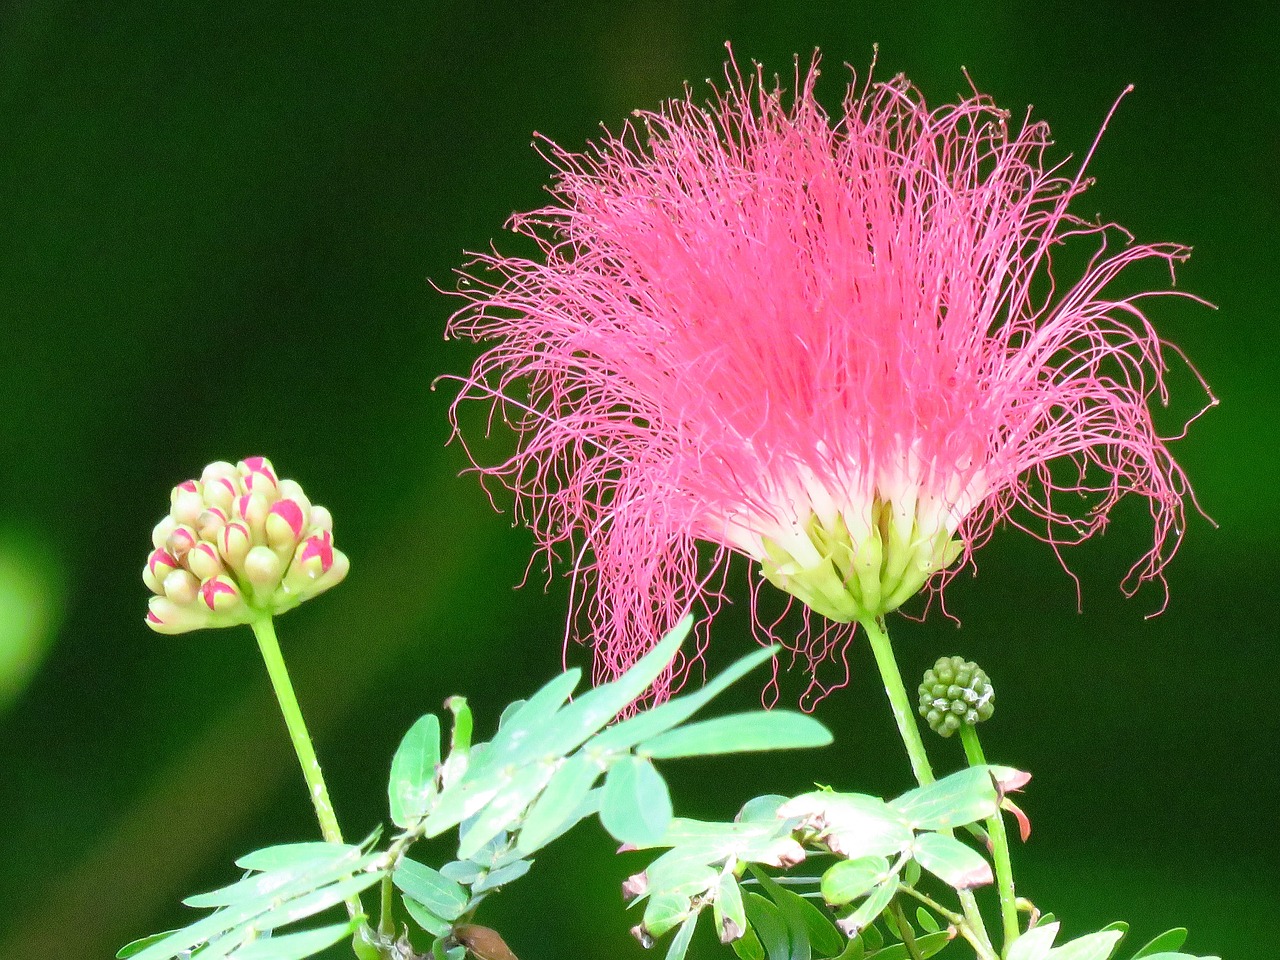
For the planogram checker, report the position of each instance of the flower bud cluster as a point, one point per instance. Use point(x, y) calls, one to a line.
point(955, 692)
point(238, 544)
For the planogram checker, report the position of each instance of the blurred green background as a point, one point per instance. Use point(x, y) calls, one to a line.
point(218, 227)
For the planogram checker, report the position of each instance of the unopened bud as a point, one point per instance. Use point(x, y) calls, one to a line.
point(238, 544)
point(955, 693)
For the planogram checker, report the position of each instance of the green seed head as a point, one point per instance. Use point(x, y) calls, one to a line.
point(955, 692)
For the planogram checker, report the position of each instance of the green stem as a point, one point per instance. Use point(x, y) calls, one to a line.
point(909, 730)
point(265, 631)
point(904, 931)
point(981, 945)
point(386, 919)
point(898, 699)
point(999, 844)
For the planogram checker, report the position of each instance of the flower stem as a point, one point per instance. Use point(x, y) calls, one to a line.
point(999, 843)
point(898, 699)
point(909, 730)
point(265, 631)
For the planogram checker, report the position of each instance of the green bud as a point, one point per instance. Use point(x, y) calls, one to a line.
point(953, 693)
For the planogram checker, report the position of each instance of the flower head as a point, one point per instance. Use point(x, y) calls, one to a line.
point(837, 348)
point(236, 545)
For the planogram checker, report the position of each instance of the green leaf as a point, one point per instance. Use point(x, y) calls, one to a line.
point(315, 902)
point(590, 712)
point(770, 927)
point(413, 771)
point(792, 916)
point(521, 789)
point(951, 861)
point(964, 797)
point(761, 808)
point(1094, 946)
point(739, 733)
point(650, 723)
point(429, 887)
point(1177, 956)
point(428, 921)
point(808, 924)
point(560, 800)
point(1035, 944)
point(135, 946)
point(517, 736)
point(300, 895)
point(870, 908)
point(927, 946)
point(848, 880)
point(665, 909)
point(680, 945)
point(927, 921)
point(636, 807)
point(1169, 941)
point(502, 876)
point(748, 946)
point(297, 856)
point(295, 946)
point(853, 825)
point(727, 909)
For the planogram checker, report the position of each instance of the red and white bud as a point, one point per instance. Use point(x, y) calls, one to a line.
point(159, 565)
point(160, 533)
point(220, 594)
point(186, 502)
point(204, 561)
point(321, 519)
point(286, 521)
point(180, 542)
point(210, 523)
point(252, 509)
point(262, 568)
point(165, 616)
point(234, 544)
point(181, 586)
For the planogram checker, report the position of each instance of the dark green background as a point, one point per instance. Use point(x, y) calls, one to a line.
point(217, 230)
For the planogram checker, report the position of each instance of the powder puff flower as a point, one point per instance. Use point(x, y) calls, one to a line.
point(838, 349)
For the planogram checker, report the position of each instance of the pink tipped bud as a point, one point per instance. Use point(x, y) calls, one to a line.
point(160, 533)
point(292, 490)
point(210, 523)
point(315, 555)
point(181, 586)
point(261, 484)
point(221, 492)
point(260, 465)
point(165, 616)
point(218, 470)
point(159, 565)
point(180, 542)
point(186, 502)
point(203, 561)
point(220, 594)
point(321, 519)
point(253, 508)
point(234, 543)
point(285, 523)
point(262, 568)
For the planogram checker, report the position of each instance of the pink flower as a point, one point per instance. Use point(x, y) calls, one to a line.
point(835, 348)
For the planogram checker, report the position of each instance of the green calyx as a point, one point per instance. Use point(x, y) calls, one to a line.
point(955, 693)
point(847, 576)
